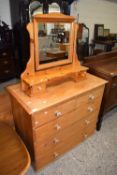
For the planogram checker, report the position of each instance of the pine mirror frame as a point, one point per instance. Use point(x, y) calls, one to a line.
point(52, 18)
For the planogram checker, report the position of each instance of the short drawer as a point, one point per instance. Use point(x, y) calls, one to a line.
point(64, 141)
point(90, 97)
point(53, 113)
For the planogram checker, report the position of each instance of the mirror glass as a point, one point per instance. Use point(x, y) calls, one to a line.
point(53, 42)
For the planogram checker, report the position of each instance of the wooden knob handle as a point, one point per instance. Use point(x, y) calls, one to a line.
point(36, 123)
point(91, 97)
point(56, 141)
point(56, 154)
point(4, 54)
point(58, 127)
point(6, 71)
point(58, 113)
point(5, 62)
point(114, 85)
point(87, 122)
point(90, 109)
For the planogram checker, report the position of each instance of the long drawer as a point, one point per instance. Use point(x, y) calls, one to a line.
point(64, 141)
point(47, 115)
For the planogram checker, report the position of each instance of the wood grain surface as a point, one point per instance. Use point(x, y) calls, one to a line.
point(5, 109)
point(14, 157)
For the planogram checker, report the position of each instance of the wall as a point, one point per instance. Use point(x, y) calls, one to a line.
point(90, 12)
point(96, 12)
point(5, 11)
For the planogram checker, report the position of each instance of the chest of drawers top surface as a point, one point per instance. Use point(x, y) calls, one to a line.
point(55, 95)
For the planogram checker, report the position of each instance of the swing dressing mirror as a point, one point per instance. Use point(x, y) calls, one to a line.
point(53, 59)
point(53, 42)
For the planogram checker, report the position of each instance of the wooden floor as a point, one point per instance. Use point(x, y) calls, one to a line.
point(5, 109)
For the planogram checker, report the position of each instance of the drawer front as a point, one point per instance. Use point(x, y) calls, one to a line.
point(50, 129)
point(63, 142)
point(112, 95)
point(90, 97)
point(6, 68)
point(114, 82)
point(53, 113)
point(112, 98)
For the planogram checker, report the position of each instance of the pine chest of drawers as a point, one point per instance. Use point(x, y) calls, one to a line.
point(7, 66)
point(59, 119)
